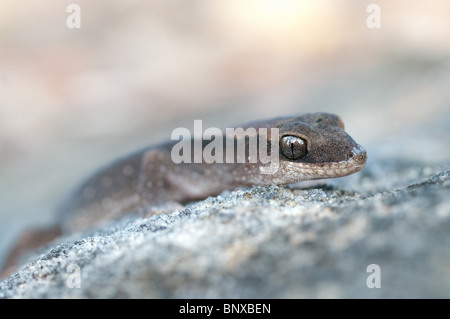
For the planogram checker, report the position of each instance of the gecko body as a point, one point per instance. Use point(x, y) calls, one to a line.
point(309, 146)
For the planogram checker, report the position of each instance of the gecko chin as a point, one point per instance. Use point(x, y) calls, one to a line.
point(307, 171)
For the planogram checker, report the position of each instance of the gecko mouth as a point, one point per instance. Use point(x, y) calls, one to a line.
point(358, 156)
point(355, 162)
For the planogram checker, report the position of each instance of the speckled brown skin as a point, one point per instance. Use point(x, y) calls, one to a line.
point(150, 177)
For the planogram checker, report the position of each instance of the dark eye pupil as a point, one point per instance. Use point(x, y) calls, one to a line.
point(293, 147)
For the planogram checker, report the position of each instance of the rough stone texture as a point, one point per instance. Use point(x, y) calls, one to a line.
point(267, 242)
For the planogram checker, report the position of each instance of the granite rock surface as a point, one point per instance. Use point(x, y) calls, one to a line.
point(266, 242)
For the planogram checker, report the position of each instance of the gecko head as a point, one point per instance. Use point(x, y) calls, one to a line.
point(316, 146)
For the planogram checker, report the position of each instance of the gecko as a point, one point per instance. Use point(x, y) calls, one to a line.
point(311, 146)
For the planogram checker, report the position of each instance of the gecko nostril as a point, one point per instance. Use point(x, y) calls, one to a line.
point(358, 154)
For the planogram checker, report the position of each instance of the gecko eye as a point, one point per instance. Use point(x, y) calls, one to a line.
point(293, 147)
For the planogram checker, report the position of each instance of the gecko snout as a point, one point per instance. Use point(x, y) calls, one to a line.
point(358, 154)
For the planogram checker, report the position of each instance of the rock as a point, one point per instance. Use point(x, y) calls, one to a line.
point(266, 242)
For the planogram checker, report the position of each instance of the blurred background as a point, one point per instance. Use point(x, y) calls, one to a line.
point(72, 100)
